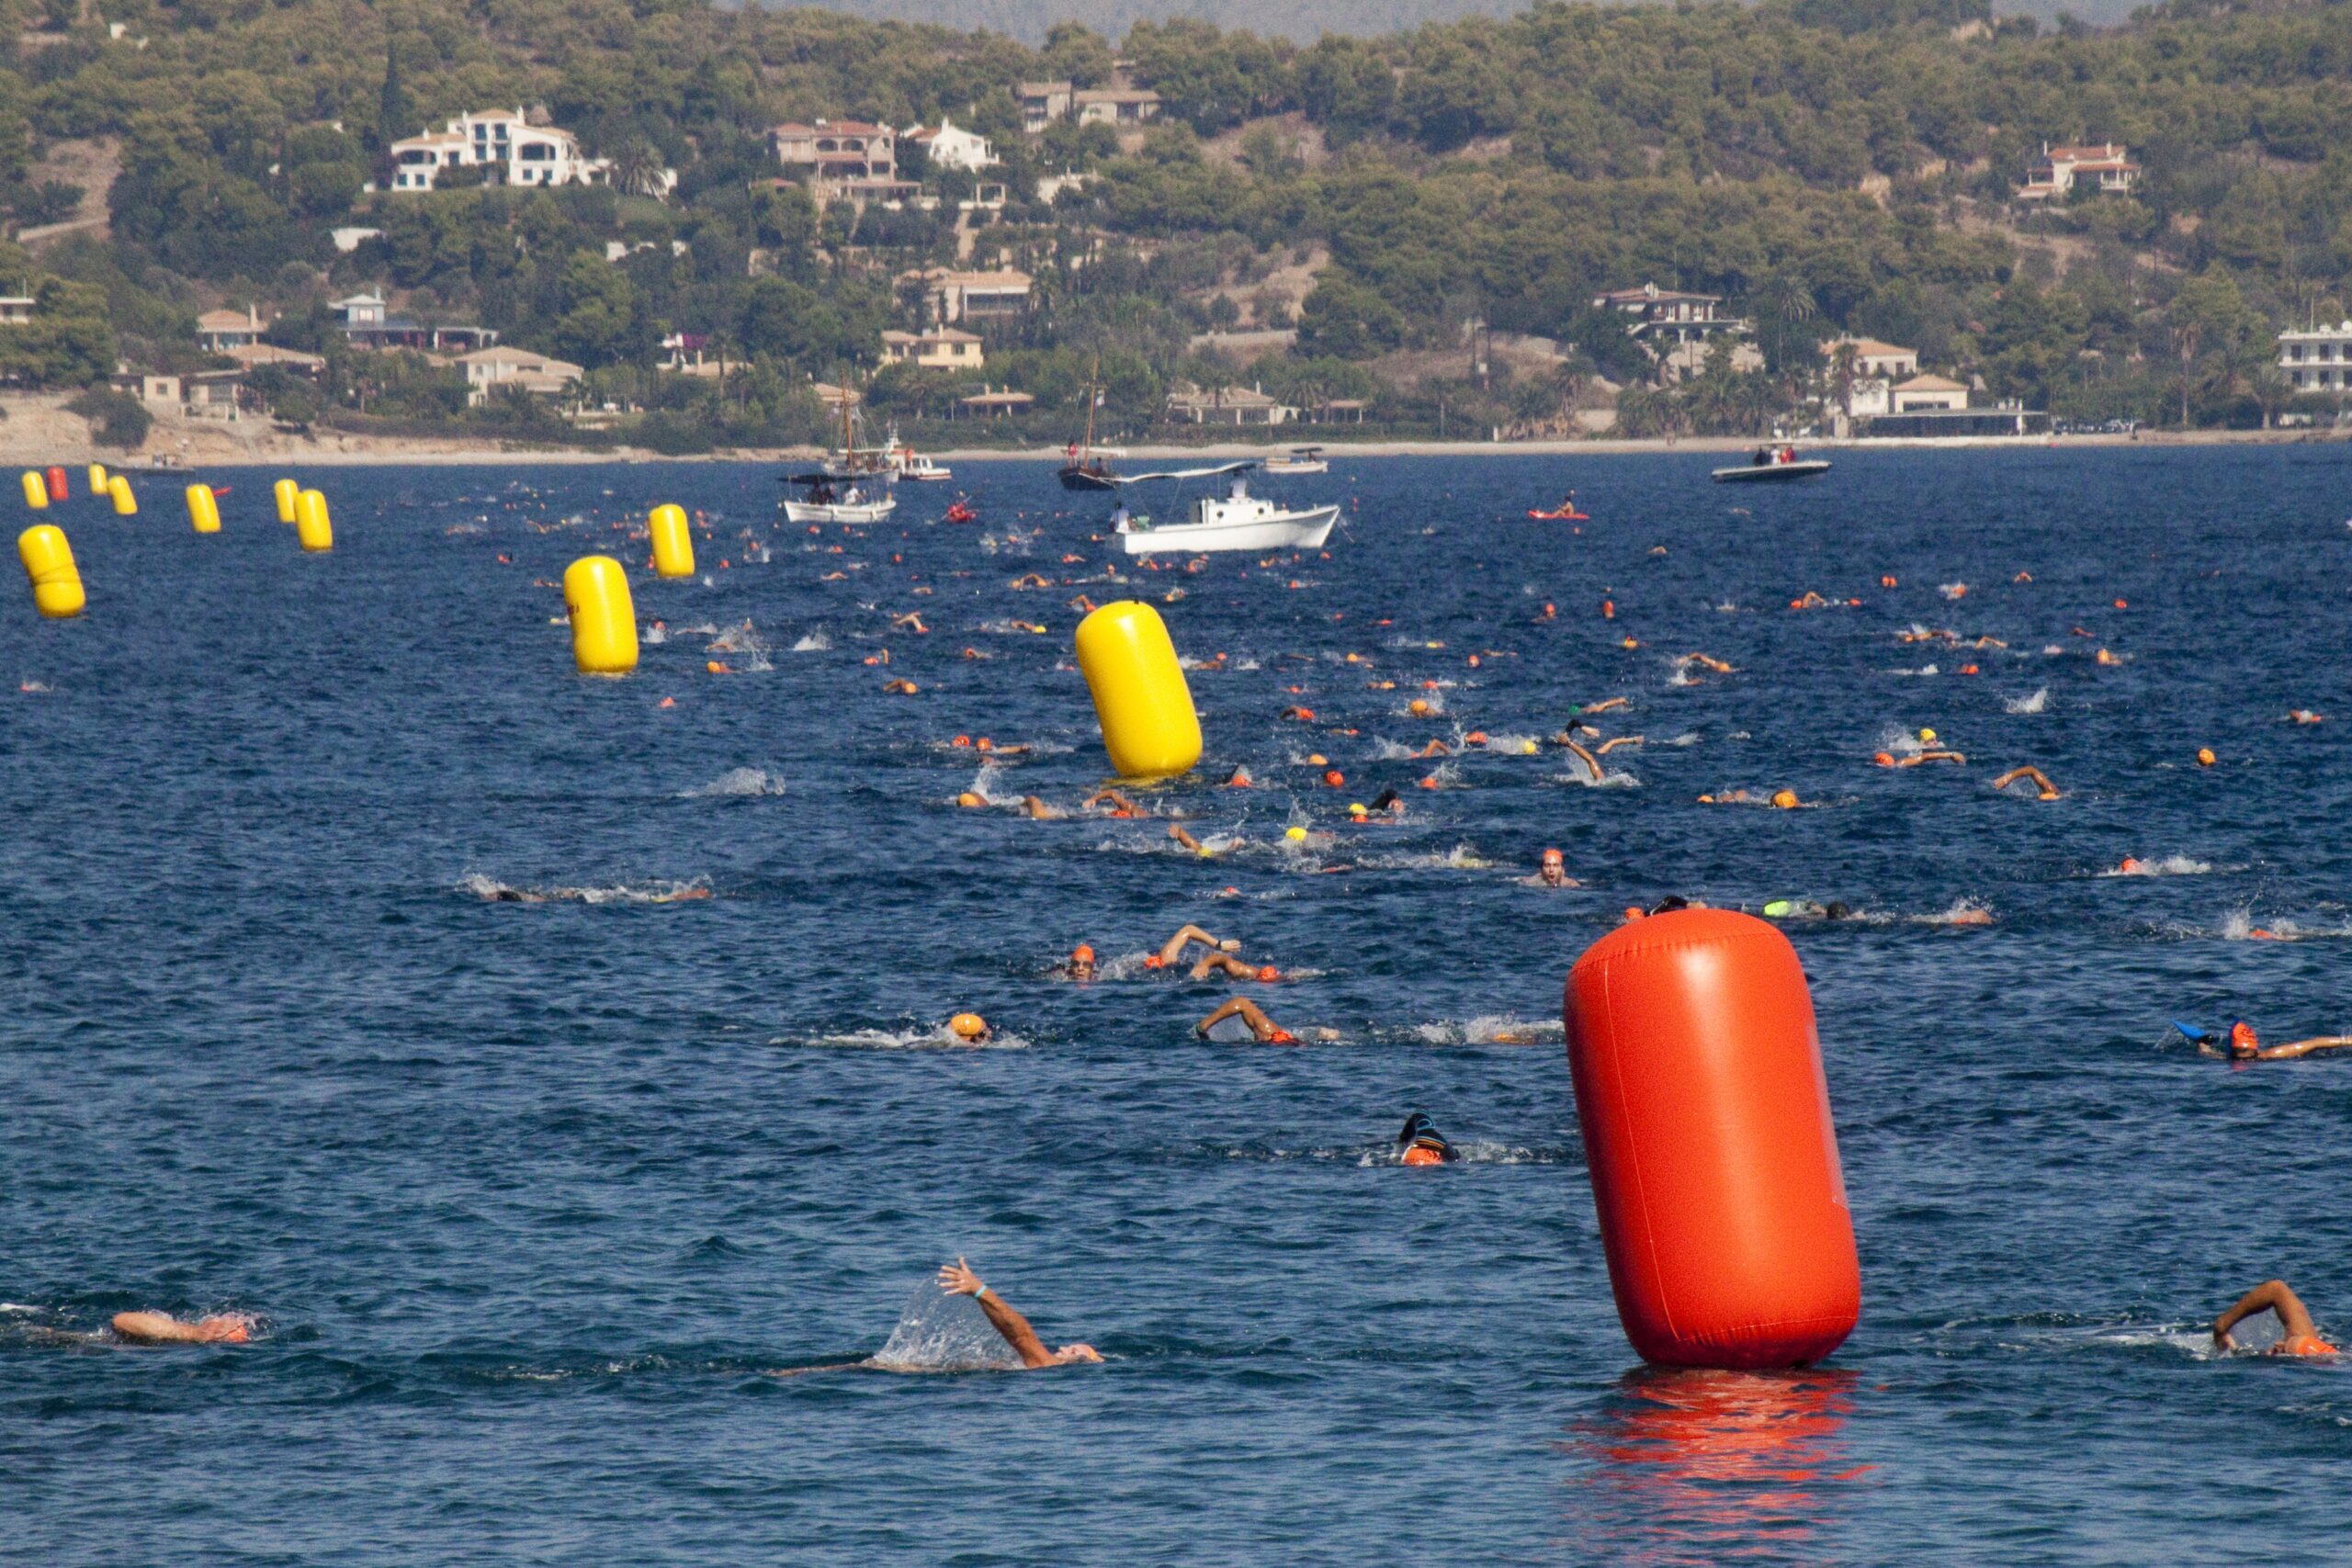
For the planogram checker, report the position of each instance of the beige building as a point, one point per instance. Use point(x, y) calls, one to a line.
point(951, 296)
point(1876, 367)
point(837, 149)
point(16, 310)
point(1229, 405)
point(1923, 392)
point(1116, 106)
point(220, 331)
point(944, 348)
point(541, 375)
point(1043, 104)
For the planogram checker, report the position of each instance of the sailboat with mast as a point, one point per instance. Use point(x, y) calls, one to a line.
point(1084, 467)
point(855, 489)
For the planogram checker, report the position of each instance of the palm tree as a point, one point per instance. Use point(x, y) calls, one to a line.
point(638, 170)
point(2186, 336)
point(1843, 357)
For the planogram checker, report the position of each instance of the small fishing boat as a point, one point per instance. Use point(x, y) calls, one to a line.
point(1234, 521)
point(1771, 465)
point(1298, 460)
point(831, 495)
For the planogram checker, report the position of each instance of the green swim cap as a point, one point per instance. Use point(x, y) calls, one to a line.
point(1776, 908)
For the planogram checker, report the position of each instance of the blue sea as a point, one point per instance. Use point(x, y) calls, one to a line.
point(531, 1200)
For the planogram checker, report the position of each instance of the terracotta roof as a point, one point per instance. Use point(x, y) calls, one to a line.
point(1868, 348)
point(1930, 384)
point(832, 127)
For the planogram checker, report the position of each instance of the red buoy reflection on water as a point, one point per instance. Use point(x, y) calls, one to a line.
point(1686, 1464)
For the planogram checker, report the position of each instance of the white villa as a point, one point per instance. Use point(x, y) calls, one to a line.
point(950, 295)
point(950, 146)
point(2108, 163)
point(837, 148)
point(1877, 366)
point(504, 145)
point(536, 373)
point(942, 348)
point(2318, 359)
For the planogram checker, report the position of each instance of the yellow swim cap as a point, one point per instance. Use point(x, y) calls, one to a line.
point(968, 1026)
point(1786, 799)
point(1358, 808)
point(968, 799)
point(1295, 835)
point(2204, 756)
point(1417, 707)
point(1927, 738)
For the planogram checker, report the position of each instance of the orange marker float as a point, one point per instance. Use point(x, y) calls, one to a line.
point(1707, 1130)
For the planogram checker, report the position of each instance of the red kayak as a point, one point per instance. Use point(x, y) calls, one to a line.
point(959, 513)
point(1563, 516)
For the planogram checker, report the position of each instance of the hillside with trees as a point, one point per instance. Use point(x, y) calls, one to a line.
point(1411, 227)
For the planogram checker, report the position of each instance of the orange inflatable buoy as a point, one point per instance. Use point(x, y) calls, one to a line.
point(1708, 1134)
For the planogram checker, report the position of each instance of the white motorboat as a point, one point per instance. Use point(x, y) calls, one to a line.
point(1234, 521)
point(834, 497)
point(1773, 465)
point(1298, 460)
point(912, 465)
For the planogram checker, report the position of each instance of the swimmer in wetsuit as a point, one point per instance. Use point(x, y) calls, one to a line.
point(2298, 1334)
point(1421, 1143)
point(2243, 1044)
point(958, 1280)
point(162, 1329)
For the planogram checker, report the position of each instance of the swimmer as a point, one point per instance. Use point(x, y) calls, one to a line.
point(162, 1329)
point(1435, 749)
point(1390, 802)
point(1120, 804)
point(1591, 763)
point(1807, 909)
point(1887, 760)
point(2298, 1334)
point(970, 1028)
point(2243, 1044)
point(2045, 789)
point(958, 1280)
point(1178, 835)
point(1421, 1143)
point(909, 621)
point(1238, 968)
point(1552, 871)
point(1587, 709)
point(2305, 716)
point(1728, 797)
point(1082, 962)
point(1607, 746)
point(1172, 949)
point(1263, 1030)
point(1038, 811)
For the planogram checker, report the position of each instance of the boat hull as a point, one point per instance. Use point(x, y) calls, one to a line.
point(1277, 467)
point(1772, 473)
point(1291, 530)
point(837, 512)
point(1086, 478)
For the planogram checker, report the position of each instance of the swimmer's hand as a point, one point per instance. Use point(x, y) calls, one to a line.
point(2221, 1340)
point(958, 1280)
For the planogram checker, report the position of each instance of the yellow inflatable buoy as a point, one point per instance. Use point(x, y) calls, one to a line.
point(98, 478)
point(289, 496)
point(311, 523)
point(203, 509)
point(673, 546)
point(49, 563)
point(1149, 726)
point(603, 618)
point(36, 490)
point(126, 504)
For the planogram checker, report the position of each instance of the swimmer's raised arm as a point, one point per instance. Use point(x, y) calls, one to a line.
point(1591, 763)
point(1263, 1030)
point(1173, 948)
point(2271, 1295)
point(1183, 837)
point(1039, 810)
point(2033, 776)
point(2296, 1048)
point(958, 1280)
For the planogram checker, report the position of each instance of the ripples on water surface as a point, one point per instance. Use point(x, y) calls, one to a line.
point(531, 1195)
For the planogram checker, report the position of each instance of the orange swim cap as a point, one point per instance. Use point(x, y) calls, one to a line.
point(1335, 778)
point(1081, 953)
point(968, 1026)
point(1786, 799)
point(1154, 962)
point(2129, 864)
point(1417, 707)
point(1633, 914)
point(961, 741)
point(1885, 759)
point(982, 744)
point(2204, 756)
point(1554, 857)
point(2306, 1344)
point(1475, 738)
point(1418, 1155)
point(968, 799)
point(1268, 974)
point(1281, 1037)
point(2244, 1038)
